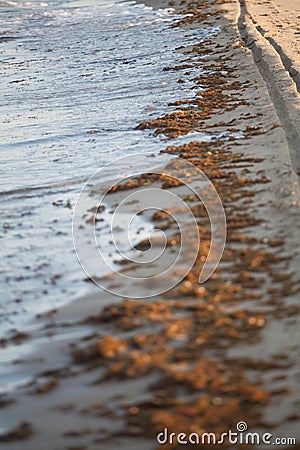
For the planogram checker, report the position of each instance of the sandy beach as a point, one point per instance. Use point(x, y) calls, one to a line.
point(278, 22)
point(112, 372)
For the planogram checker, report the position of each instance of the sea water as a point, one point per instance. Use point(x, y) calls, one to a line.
point(76, 80)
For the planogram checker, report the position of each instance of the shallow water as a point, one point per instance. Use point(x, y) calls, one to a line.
point(78, 77)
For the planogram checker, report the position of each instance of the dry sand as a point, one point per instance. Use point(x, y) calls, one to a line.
point(123, 378)
point(279, 22)
point(274, 40)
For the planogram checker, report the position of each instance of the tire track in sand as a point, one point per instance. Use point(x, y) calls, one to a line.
point(281, 78)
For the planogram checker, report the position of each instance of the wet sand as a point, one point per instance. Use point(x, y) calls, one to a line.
point(108, 372)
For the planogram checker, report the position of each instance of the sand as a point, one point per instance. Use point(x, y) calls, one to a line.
point(107, 372)
point(275, 45)
point(279, 22)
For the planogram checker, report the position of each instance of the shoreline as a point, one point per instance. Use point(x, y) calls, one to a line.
point(254, 299)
